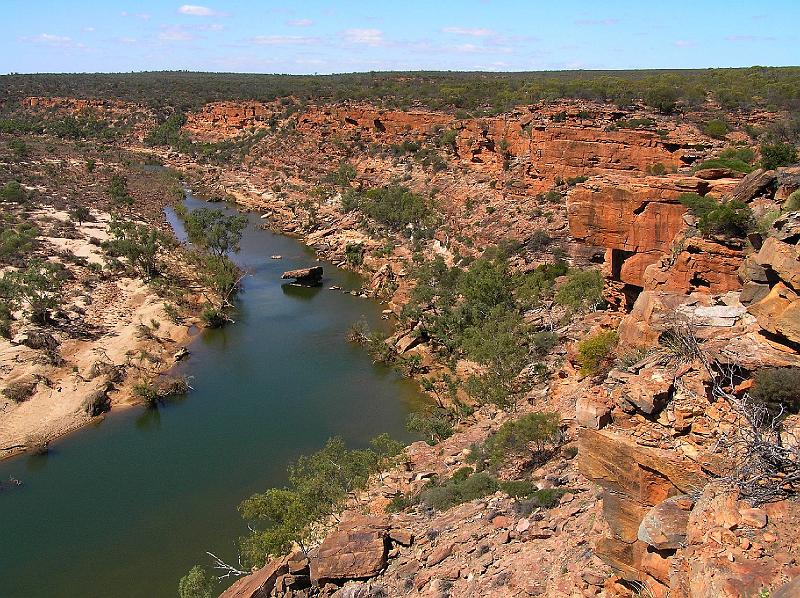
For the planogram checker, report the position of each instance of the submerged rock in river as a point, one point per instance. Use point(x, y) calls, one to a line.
point(305, 276)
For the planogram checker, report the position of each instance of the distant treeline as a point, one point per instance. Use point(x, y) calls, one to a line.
point(469, 92)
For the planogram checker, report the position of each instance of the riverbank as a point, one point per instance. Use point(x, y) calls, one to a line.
point(85, 330)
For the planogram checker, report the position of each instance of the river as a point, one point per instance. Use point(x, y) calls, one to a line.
point(126, 506)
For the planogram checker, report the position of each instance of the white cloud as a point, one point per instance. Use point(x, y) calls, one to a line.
point(369, 37)
point(748, 38)
point(127, 40)
point(197, 11)
point(52, 40)
point(683, 43)
point(475, 49)
point(143, 16)
point(300, 23)
point(89, 29)
point(596, 21)
point(175, 34)
point(283, 40)
point(479, 32)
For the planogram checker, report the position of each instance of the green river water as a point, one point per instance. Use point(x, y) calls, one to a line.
point(124, 507)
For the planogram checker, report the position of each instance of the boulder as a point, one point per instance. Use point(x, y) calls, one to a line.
point(591, 413)
point(787, 228)
point(779, 312)
point(259, 584)
point(649, 391)
point(355, 551)
point(753, 184)
point(781, 258)
point(305, 276)
point(634, 479)
point(664, 526)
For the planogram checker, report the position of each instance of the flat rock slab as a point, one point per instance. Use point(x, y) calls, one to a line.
point(350, 554)
point(305, 276)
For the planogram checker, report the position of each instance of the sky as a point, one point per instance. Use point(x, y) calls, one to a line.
point(326, 36)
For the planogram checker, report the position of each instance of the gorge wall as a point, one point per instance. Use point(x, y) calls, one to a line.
point(604, 184)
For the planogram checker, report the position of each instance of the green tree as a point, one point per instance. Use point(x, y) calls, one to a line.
point(118, 190)
point(197, 583)
point(582, 291)
point(662, 97)
point(513, 438)
point(214, 230)
point(318, 486)
point(139, 244)
point(344, 175)
point(80, 214)
point(434, 424)
point(37, 288)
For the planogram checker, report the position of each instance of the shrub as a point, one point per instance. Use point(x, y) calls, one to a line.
point(774, 155)
point(698, 205)
point(744, 154)
point(792, 203)
point(539, 240)
point(12, 191)
point(16, 239)
point(543, 342)
point(5, 319)
point(594, 352)
point(18, 148)
point(518, 488)
point(547, 498)
point(344, 175)
point(514, 437)
point(583, 290)
point(80, 214)
point(434, 424)
point(732, 218)
point(716, 128)
point(458, 489)
point(534, 287)
point(778, 388)
point(20, 391)
point(213, 317)
point(400, 502)
point(218, 273)
point(657, 169)
point(662, 98)
point(395, 206)
point(168, 132)
point(635, 123)
point(354, 254)
point(731, 164)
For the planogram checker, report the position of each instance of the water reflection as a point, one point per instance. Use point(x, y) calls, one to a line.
point(299, 291)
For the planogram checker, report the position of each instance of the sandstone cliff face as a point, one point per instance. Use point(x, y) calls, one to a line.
point(223, 120)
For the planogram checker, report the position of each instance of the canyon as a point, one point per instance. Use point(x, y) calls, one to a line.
point(646, 462)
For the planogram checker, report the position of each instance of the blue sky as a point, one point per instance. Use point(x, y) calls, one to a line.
point(318, 36)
